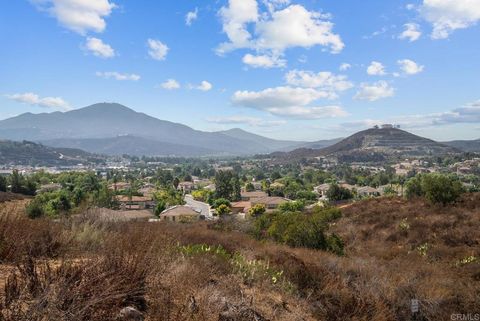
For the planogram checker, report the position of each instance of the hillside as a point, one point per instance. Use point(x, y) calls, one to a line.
point(33, 154)
point(465, 145)
point(108, 121)
point(396, 250)
point(129, 145)
point(376, 145)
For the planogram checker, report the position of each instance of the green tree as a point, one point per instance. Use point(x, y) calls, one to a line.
point(223, 210)
point(257, 210)
point(159, 208)
point(3, 184)
point(249, 187)
point(338, 193)
point(441, 189)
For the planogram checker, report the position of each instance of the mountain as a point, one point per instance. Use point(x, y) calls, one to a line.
point(106, 123)
point(33, 154)
point(375, 145)
point(465, 145)
point(268, 143)
point(129, 145)
point(319, 144)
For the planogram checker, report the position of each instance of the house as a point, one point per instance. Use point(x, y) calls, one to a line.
point(135, 202)
point(322, 190)
point(147, 190)
point(49, 188)
point(180, 213)
point(270, 202)
point(248, 196)
point(186, 187)
point(108, 215)
point(367, 191)
point(240, 207)
point(210, 187)
point(120, 186)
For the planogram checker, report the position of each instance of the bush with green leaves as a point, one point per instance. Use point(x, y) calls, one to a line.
point(257, 210)
point(339, 193)
point(436, 188)
point(297, 229)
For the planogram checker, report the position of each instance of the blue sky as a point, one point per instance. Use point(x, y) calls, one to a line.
point(302, 70)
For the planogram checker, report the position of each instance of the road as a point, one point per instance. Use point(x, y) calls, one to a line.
point(204, 208)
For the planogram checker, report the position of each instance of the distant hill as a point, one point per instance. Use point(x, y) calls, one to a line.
point(129, 145)
point(465, 145)
point(105, 123)
point(377, 144)
point(33, 154)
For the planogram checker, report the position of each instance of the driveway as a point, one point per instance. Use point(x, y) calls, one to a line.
point(204, 208)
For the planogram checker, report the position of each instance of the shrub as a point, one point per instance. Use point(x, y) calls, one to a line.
point(297, 229)
point(437, 188)
point(256, 210)
point(338, 193)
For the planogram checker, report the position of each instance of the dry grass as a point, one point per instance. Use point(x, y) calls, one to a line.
point(89, 271)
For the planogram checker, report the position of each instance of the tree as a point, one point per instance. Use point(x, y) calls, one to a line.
point(223, 210)
point(161, 206)
point(257, 210)
point(437, 188)
point(249, 187)
point(3, 184)
point(16, 182)
point(227, 185)
point(441, 189)
point(338, 193)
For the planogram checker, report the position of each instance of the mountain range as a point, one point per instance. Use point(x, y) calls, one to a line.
point(114, 129)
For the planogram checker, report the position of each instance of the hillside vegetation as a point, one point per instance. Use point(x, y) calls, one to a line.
point(394, 251)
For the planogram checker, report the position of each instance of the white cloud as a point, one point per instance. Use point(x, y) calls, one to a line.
point(376, 69)
point(273, 5)
point(34, 99)
point(345, 66)
point(170, 84)
point(446, 16)
point(235, 18)
point(469, 114)
point(289, 102)
point(295, 26)
point(277, 29)
point(117, 75)
point(191, 17)
point(98, 48)
point(251, 121)
point(324, 80)
point(80, 16)
point(157, 49)
point(410, 67)
point(264, 61)
point(204, 86)
point(412, 32)
point(375, 91)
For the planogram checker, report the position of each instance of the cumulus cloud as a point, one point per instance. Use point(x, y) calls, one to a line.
point(277, 29)
point(246, 120)
point(264, 61)
point(288, 101)
point(157, 49)
point(36, 100)
point(468, 114)
point(410, 67)
point(98, 48)
point(375, 91)
point(411, 33)
point(446, 16)
point(376, 69)
point(191, 17)
point(344, 67)
point(324, 80)
point(117, 75)
point(203, 86)
point(170, 84)
point(80, 16)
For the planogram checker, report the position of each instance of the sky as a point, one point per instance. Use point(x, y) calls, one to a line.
point(286, 69)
